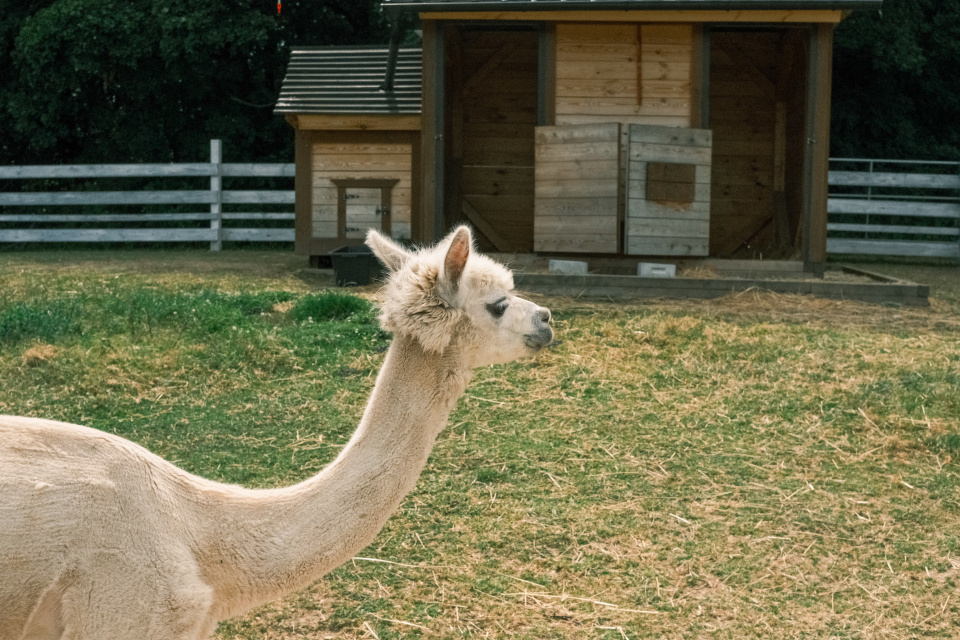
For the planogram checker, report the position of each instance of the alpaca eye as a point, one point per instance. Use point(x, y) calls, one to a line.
point(497, 309)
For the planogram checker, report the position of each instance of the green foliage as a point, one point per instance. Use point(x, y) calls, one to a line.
point(945, 443)
point(896, 73)
point(330, 305)
point(144, 309)
point(43, 321)
point(154, 80)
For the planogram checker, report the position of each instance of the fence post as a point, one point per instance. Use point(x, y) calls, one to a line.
point(216, 186)
point(866, 234)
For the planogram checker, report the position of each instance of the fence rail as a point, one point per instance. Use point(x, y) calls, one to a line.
point(214, 198)
point(875, 207)
point(894, 208)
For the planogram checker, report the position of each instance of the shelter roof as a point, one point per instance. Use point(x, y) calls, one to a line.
point(625, 5)
point(350, 80)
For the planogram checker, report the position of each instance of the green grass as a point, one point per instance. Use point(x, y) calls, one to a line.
point(756, 466)
point(329, 305)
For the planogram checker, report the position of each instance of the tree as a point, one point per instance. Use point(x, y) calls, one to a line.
point(896, 82)
point(154, 80)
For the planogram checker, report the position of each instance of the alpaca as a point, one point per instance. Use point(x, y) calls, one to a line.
point(102, 540)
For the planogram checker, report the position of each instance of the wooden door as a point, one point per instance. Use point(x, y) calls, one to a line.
point(363, 205)
point(362, 210)
point(668, 191)
point(577, 188)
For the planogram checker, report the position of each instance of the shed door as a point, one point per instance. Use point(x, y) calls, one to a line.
point(577, 184)
point(363, 205)
point(668, 191)
point(362, 208)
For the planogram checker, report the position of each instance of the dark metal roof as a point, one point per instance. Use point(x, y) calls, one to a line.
point(349, 80)
point(614, 5)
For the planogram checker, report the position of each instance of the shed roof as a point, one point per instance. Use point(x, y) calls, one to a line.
point(349, 80)
point(625, 5)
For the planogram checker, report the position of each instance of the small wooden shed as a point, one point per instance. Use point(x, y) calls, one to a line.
point(648, 128)
point(357, 145)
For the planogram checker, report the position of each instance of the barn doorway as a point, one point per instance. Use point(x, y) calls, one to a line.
point(758, 114)
point(491, 112)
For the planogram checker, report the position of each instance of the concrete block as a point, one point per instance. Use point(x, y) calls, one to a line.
point(654, 270)
point(568, 267)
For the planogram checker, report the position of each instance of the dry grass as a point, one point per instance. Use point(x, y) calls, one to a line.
point(38, 354)
point(760, 465)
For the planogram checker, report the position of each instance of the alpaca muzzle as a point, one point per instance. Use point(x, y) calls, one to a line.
point(543, 334)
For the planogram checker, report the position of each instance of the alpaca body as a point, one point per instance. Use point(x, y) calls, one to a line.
point(99, 538)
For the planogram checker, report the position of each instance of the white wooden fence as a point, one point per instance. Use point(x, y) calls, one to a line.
point(214, 231)
point(876, 207)
point(894, 208)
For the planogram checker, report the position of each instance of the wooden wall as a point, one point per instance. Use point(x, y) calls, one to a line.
point(757, 107)
point(677, 223)
point(361, 155)
point(577, 187)
point(624, 73)
point(491, 114)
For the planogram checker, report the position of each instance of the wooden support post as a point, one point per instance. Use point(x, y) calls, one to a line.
point(303, 189)
point(425, 222)
point(216, 186)
point(818, 146)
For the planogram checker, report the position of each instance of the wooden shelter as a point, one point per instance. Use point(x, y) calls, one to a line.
point(357, 145)
point(648, 128)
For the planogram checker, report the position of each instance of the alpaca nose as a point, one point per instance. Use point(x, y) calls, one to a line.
point(544, 315)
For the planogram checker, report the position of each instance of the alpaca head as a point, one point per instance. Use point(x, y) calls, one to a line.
point(448, 297)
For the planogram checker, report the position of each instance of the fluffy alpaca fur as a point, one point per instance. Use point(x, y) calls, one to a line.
point(100, 539)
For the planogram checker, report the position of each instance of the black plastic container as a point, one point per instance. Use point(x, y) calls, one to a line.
point(355, 266)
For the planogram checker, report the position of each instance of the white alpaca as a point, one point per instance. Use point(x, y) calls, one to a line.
point(102, 540)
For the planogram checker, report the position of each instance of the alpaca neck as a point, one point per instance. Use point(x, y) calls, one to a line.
point(284, 539)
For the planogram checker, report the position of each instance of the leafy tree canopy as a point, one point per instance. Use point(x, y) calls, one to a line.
point(154, 80)
point(896, 82)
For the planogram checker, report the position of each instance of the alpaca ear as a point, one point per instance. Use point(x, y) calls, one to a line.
point(456, 258)
point(390, 253)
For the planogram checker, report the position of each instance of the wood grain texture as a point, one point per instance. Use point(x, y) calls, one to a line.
point(894, 248)
point(743, 117)
point(577, 188)
point(367, 156)
point(668, 191)
point(605, 73)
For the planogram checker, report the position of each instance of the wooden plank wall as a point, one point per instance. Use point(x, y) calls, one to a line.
point(757, 114)
point(624, 73)
point(577, 188)
point(668, 228)
point(380, 155)
point(492, 113)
